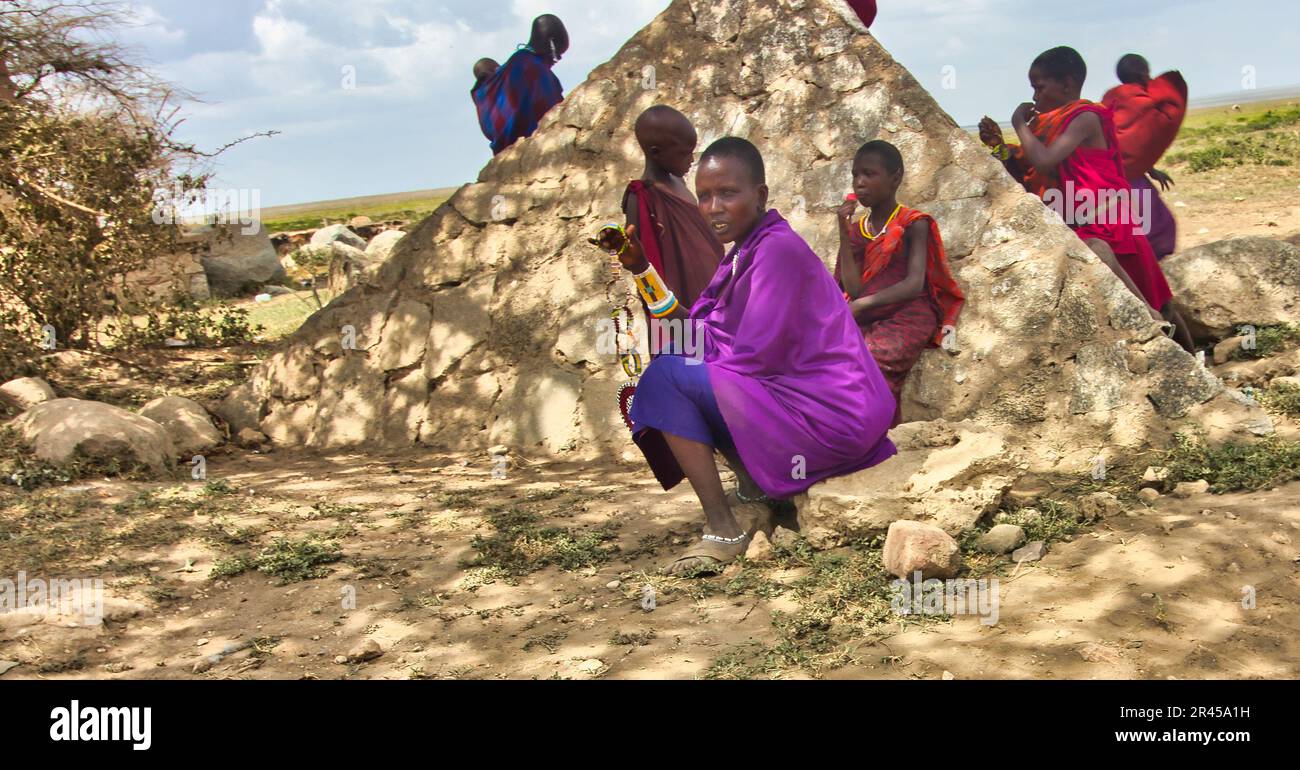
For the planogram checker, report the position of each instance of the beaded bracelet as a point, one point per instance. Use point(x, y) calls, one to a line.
point(618, 229)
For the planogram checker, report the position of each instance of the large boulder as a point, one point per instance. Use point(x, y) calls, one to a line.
point(1051, 349)
point(382, 245)
point(26, 392)
point(235, 260)
point(348, 266)
point(325, 236)
point(65, 429)
point(1220, 287)
point(951, 475)
point(188, 424)
point(167, 275)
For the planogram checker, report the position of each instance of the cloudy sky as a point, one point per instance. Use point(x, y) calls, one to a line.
point(409, 124)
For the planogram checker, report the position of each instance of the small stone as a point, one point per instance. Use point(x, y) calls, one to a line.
point(591, 666)
point(315, 638)
point(823, 539)
point(1226, 350)
point(912, 546)
point(784, 538)
point(499, 450)
point(1190, 488)
point(1234, 568)
point(613, 584)
point(1280, 539)
point(7, 665)
point(367, 650)
point(201, 642)
point(588, 604)
point(1031, 552)
point(1003, 538)
point(760, 548)
point(1154, 476)
point(1148, 495)
point(341, 660)
point(1099, 505)
point(247, 438)
point(1230, 515)
point(948, 676)
point(1148, 596)
point(1096, 653)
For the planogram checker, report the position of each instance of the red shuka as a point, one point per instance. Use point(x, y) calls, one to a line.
point(1147, 119)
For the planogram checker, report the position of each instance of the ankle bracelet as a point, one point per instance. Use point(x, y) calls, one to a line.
point(760, 499)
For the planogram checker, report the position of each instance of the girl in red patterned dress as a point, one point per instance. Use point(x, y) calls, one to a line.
point(893, 269)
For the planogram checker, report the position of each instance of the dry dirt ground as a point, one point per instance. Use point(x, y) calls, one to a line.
point(1154, 593)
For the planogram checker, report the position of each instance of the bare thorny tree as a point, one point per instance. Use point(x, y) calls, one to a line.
point(87, 139)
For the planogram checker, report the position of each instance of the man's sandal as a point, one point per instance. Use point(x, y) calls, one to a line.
point(722, 551)
point(718, 551)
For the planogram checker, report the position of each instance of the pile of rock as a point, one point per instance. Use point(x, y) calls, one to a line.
point(350, 251)
point(61, 430)
point(210, 261)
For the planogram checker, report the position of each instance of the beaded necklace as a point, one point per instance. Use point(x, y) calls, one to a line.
point(863, 224)
point(621, 312)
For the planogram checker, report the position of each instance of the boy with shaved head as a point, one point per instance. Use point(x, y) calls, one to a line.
point(661, 210)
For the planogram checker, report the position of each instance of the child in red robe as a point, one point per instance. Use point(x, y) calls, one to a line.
point(663, 211)
point(1148, 115)
point(1069, 152)
point(893, 269)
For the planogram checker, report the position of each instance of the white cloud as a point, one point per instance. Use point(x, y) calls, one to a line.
point(146, 26)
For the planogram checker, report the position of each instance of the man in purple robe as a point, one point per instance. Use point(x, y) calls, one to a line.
point(783, 386)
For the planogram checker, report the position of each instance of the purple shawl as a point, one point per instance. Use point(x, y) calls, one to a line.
point(802, 397)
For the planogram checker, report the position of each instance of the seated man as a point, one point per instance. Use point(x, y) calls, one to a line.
point(786, 390)
point(513, 100)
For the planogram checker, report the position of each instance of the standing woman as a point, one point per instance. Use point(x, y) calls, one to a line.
point(783, 385)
